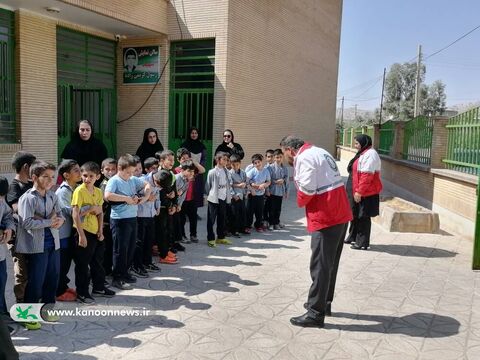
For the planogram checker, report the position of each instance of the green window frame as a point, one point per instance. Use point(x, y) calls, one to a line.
point(8, 129)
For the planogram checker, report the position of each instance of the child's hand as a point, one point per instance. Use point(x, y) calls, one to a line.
point(179, 208)
point(132, 200)
point(100, 236)
point(236, 197)
point(82, 241)
point(96, 210)
point(171, 194)
point(279, 181)
point(7, 236)
point(158, 212)
point(152, 198)
point(242, 185)
point(171, 210)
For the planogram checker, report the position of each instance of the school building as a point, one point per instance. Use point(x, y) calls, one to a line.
point(262, 68)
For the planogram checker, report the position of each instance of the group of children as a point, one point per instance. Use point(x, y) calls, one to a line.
point(137, 211)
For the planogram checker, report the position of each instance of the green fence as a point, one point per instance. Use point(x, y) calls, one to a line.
point(387, 134)
point(417, 140)
point(370, 132)
point(463, 152)
point(340, 136)
point(348, 137)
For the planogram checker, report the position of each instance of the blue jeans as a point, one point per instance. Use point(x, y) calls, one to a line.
point(3, 283)
point(43, 274)
point(124, 234)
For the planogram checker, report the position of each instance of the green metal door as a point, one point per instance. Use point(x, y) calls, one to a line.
point(192, 83)
point(86, 86)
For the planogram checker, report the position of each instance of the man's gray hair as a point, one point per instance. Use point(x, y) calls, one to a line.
point(292, 141)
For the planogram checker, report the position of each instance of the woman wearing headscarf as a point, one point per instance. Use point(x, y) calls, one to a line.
point(84, 146)
point(150, 145)
point(363, 189)
point(229, 146)
point(199, 154)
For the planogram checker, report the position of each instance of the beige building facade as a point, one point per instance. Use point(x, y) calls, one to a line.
point(264, 69)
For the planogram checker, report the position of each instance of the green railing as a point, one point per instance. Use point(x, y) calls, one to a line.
point(370, 132)
point(340, 136)
point(387, 134)
point(348, 137)
point(357, 131)
point(417, 140)
point(463, 151)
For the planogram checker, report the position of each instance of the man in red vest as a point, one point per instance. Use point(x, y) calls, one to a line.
point(320, 189)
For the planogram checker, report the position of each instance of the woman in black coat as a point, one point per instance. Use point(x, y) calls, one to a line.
point(150, 145)
point(84, 146)
point(229, 146)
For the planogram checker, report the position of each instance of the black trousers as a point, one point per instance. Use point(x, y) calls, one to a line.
point(239, 215)
point(267, 208)
point(359, 231)
point(66, 256)
point(164, 226)
point(189, 210)
point(124, 234)
point(326, 245)
point(255, 207)
point(216, 213)
point(7, 350)
point(275, 209)
point(89, 264)
point(108, 255)
point(144, 242)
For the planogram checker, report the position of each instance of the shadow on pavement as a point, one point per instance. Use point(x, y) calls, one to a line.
point(423, 325)
point(413, 251)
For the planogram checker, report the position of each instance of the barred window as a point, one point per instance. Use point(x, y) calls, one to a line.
point(7, 78)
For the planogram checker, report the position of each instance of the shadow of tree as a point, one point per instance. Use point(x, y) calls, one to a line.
point(423, 325)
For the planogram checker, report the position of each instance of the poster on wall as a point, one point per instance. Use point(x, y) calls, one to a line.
point(141, 64)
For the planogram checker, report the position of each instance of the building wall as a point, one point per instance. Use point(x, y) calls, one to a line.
point(149, 14)
point(203, 19)
point(36, 85)
point(282, 71)
point(131, 97)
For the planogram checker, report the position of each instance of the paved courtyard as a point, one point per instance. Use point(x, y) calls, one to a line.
point(409, 297)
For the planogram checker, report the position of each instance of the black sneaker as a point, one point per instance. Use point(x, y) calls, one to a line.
point(193, 239)
point(130, 279)
point(103, 293)
point(139, 272)
point(185, 240)
point(122, 285)
point(87, 300)
point(152, 268)
point(236, 234)
point(179, 247)
point(173, 250)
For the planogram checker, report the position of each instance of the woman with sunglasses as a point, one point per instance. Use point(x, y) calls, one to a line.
point(229, 146)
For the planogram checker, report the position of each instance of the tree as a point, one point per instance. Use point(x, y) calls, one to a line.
point(400, 86)
point(436, 99)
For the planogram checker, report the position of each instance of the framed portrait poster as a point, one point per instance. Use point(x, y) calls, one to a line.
point(141, 64)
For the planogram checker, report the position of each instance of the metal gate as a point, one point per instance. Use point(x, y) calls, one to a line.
point(192, 83)
point(86, 86)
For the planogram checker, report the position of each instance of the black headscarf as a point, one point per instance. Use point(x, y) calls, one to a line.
point(365, 142)
point(83, 151)
point(146, 150)
point(194, 146)
point(237, 148)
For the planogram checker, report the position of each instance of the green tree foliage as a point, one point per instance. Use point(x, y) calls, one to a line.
point(400, 93)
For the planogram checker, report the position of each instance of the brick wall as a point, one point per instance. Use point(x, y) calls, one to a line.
point(149, 14)
point(202, 19)
point(282, 71)
point(131, 97)
point(36, 63)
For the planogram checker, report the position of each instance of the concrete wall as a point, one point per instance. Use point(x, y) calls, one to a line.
point(282, 71)
point(449, 193)
point(149, 14)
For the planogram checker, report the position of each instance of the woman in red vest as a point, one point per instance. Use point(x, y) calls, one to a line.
point(363, 189)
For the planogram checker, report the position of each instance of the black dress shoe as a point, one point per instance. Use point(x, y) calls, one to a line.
point(347, 241)
point(328, 309)
point(306, 320)
point(356, 247)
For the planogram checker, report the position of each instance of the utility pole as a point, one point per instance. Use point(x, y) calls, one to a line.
point(416, 109)
point(341, 119)
point(381, 100)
